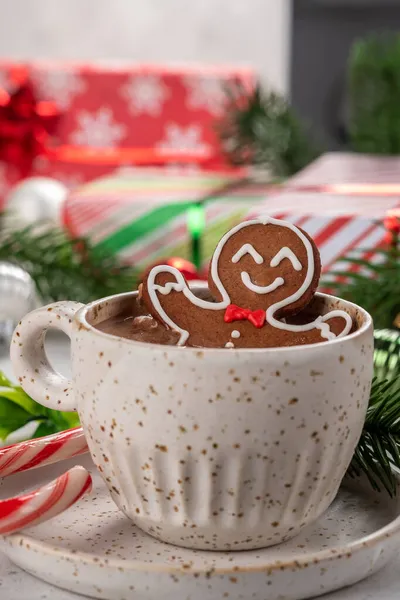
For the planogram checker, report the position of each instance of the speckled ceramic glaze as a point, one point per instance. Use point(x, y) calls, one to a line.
point(208, 448)
point(93, 549)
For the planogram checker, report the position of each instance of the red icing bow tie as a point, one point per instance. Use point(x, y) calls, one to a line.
point(236, 313)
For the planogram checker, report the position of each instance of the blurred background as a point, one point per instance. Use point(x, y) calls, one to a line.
point(211, 31)
point(298, 47)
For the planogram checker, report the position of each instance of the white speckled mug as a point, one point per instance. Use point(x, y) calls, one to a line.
point(214, 448)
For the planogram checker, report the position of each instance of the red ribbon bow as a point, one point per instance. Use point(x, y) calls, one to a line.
point(237, 313)
point(25, 125)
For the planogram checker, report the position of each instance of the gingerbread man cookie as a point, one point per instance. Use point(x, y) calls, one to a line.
point(262, 272)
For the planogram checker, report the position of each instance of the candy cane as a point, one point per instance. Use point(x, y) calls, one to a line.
point(53, 498)
point(45, 502)
point(42, 451)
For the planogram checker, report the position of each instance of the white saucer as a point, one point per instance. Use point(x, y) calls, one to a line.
point(93, 549)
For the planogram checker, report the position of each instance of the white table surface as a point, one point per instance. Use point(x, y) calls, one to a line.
point(17, 585)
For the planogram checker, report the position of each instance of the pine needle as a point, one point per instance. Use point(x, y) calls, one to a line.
point(65, 268)
point(375, 287)
point(262, 129)
point(378, 450)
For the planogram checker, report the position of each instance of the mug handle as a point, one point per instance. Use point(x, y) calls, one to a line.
point(28, 357)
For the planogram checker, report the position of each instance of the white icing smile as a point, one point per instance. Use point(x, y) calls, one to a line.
point(258, 289)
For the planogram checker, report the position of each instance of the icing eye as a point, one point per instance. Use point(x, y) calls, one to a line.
point(286, 252)
point(247, 249)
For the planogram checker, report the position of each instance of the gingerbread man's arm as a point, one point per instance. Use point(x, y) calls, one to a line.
point(335, 324)
point(170, 300)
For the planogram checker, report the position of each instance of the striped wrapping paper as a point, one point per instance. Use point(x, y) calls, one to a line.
point(142, 215)
point(339, 224)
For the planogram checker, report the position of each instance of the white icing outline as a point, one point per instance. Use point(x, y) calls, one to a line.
point(235, 334)
point(248, 249)
point(325, 331)
point(286, 252)
point(170, 285)
point(319, 323)
point(179, 285)
point(258, 289)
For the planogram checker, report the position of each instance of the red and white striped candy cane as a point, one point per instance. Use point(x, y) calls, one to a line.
point(42, 451)
point(53, 498)
point(45, 502)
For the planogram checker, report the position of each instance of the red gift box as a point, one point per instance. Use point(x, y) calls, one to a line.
point(126, 115)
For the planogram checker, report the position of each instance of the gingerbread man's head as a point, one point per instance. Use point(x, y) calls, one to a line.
point(265, 263)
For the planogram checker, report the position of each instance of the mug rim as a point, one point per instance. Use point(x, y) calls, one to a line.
point(80, 318)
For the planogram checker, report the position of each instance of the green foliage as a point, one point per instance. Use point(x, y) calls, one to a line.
point(18, 409)
point(261, 129)
point(379, 447)
point(63, 268)
point(387, 354)
point(374, 94)
point(376, 287)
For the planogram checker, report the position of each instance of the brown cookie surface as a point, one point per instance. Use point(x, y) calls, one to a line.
point(254, 257)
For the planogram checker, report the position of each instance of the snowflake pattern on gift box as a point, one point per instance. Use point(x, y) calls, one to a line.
point(182, 139)
point(59, 86)
point(207, 93)
point(145, 94)
point(98, 129)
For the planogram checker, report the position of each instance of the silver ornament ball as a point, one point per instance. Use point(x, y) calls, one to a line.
point(33, 200)
point(18, 296)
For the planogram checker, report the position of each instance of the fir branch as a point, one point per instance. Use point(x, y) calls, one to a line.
point(387, 354)
point(378, 450)
point(375, 287)
point(65, 268)
point(261, 129)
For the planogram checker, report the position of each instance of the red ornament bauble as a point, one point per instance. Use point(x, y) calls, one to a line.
point(392, 224)
point(390, 238)
point(187, 268)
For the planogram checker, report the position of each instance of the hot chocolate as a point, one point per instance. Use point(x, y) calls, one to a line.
point(140, 326)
